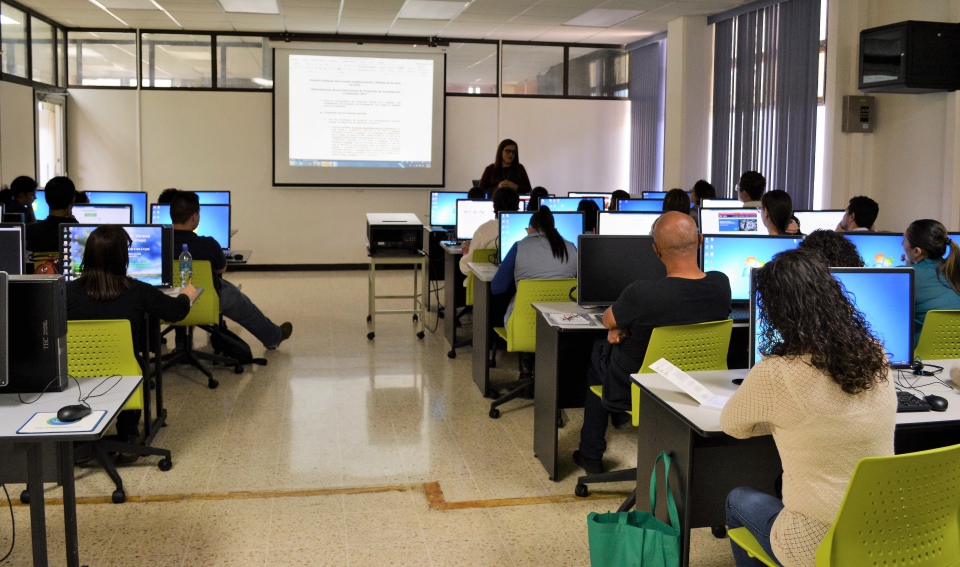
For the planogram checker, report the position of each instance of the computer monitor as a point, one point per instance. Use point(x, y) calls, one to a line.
point(818, 220)
point(14, 217)
point(151, 254)
point(40, 208)
point(606, 265)
point(624, 223)
point(878, 249)
point(565, 204)
point(582, 194)
point(213, 197)
point(11, 248)
point(214, 221)
point(136, 199)
point(731, 221)
point(954, 236)
point(470, 215)
point(721, 204)
point(103, 214)
point(4, 351)
point(734, 255)
point(642, 205)
point(659, 195)
point(443, 207)
point(883, 295)
point(524, 201)
point(513, 227)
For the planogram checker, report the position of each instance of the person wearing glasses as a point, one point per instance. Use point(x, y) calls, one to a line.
point(506, 170)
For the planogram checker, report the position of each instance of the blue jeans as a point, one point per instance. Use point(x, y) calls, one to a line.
point(756, 511)
point(237, 306)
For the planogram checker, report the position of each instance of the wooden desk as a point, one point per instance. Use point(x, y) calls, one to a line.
point(482, 325)
point(13, 414)
point(563, 358)
point(707, 463)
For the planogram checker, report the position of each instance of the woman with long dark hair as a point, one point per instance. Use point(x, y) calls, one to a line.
point(104, 291)
point(822, 390)
point(676, 200)
point(506, 170)
point(936, 283)
point(616, 197)
point(776, 211)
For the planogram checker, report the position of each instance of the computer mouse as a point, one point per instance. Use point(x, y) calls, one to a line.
point(77, 412)
point(238, 257)
point(936, 403)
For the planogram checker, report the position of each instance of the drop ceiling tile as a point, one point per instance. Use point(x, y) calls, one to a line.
point(349, 12)
point(584, 5)
point(362, 30)
point(694, 8)
point(266, 19)
point(539, 20)
point(658, 16)
point(519, 32)
point(141, 15)
point(260, 27)
point(471, 30)
point(199, 17)
point(498, 9)
point(394, 5)
point(206, 25)
point(645, 5)
point(181, 7)
point(296, 12)
point(622, 37)
point(568, 34)
point(334, 4)
point(311, 25)
point(412, 24)
point(642, 25)
point(565, 12)
point(367, 22)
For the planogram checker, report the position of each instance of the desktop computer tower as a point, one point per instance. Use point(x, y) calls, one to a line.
point(37, 310)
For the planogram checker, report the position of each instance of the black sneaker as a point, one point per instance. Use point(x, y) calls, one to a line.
point(591, 466)
point(621, 420)
point(286, 330)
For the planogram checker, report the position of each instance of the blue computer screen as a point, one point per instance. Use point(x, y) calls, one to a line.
point(565, 204)
point(954, 236)
point(40, 208)
point(214, 221)
point(214, 197)
point(886, 301)
point(659, 195)
point(137, 200)
point(878, 250)
point(146, 254)
point(513, 228)
point(443, 207)
point(736, 255)
point(648, 205)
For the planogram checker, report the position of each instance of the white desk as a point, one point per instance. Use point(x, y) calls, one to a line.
point(482, 325)
point(707, 464)
point(454, 295)
point(13, 414)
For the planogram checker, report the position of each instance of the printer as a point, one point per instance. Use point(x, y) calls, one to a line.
point(394, 232)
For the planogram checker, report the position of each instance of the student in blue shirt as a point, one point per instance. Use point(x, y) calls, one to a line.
point(937, 279)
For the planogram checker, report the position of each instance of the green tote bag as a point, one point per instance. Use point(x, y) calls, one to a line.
point(637, 539)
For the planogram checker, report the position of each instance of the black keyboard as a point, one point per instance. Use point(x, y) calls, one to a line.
point(908, 402)
point(740, 315)
point(449, 242)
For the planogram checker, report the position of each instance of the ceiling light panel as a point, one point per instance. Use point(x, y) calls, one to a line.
point(432, 10)
point(603, 18)
point(250, 6)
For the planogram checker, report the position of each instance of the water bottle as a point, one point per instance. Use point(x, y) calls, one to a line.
point(186, 267)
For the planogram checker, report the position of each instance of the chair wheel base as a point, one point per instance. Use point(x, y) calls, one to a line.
point(238, 369)
point(582, 491)
point(420, 335)
point(369, 318)
point(719, 532)
point(452, 354)
point(24, 497)
point(370, 336)
point(494, 413)
point(416, 318)
point(212, 384)
point(119, 497)
point(165, 464)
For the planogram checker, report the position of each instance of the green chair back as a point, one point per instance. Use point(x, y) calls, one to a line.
point(481, 255)
point(745, 539)
point(521, 328)
point(97, 349)
point(899, 510)
point(940, 336)
point(206, 309)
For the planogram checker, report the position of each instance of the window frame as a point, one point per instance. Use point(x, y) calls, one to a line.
point(213, 60)
point(494, 42)
point(216, 64)
point(66, 56)
point(566, 69)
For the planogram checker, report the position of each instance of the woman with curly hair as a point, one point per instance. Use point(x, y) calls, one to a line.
point(834, 249)
point(822, 391)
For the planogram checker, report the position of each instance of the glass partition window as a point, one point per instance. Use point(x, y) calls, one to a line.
point(533, 69)
point(598, 72)
point(13, 32)
point(43, 42)
point(244, 62)
point(472, 68)
point(176, 60)
point(102, 59)
point(61, 57)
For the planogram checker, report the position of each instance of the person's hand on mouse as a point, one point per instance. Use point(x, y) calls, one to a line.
point(189, 291)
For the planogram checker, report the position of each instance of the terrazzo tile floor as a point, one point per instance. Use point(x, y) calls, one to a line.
point(264, 465)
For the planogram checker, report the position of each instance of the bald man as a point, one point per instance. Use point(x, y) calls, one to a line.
point(686, 296)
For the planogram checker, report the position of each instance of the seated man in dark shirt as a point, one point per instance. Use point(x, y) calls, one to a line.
point(686, 296)
point(185, 214)
point(44, 236)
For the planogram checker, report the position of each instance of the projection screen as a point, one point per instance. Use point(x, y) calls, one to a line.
point(349, 118)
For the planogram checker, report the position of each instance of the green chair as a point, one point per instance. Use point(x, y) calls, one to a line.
point(899, 510)
point(521, 330)
point(205, 312)
point(97, 349)
point(481, 255)
point(940, 336)
point(691, 348)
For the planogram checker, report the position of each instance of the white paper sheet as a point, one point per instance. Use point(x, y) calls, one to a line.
point(685, 382)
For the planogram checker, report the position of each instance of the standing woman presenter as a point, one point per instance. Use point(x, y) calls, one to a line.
point(506, 170)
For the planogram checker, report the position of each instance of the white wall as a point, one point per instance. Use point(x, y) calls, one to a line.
point(222, 141)
point(911, 163)
point(17, 139)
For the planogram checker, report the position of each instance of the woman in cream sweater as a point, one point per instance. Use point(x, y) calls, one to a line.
point(822, 390)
